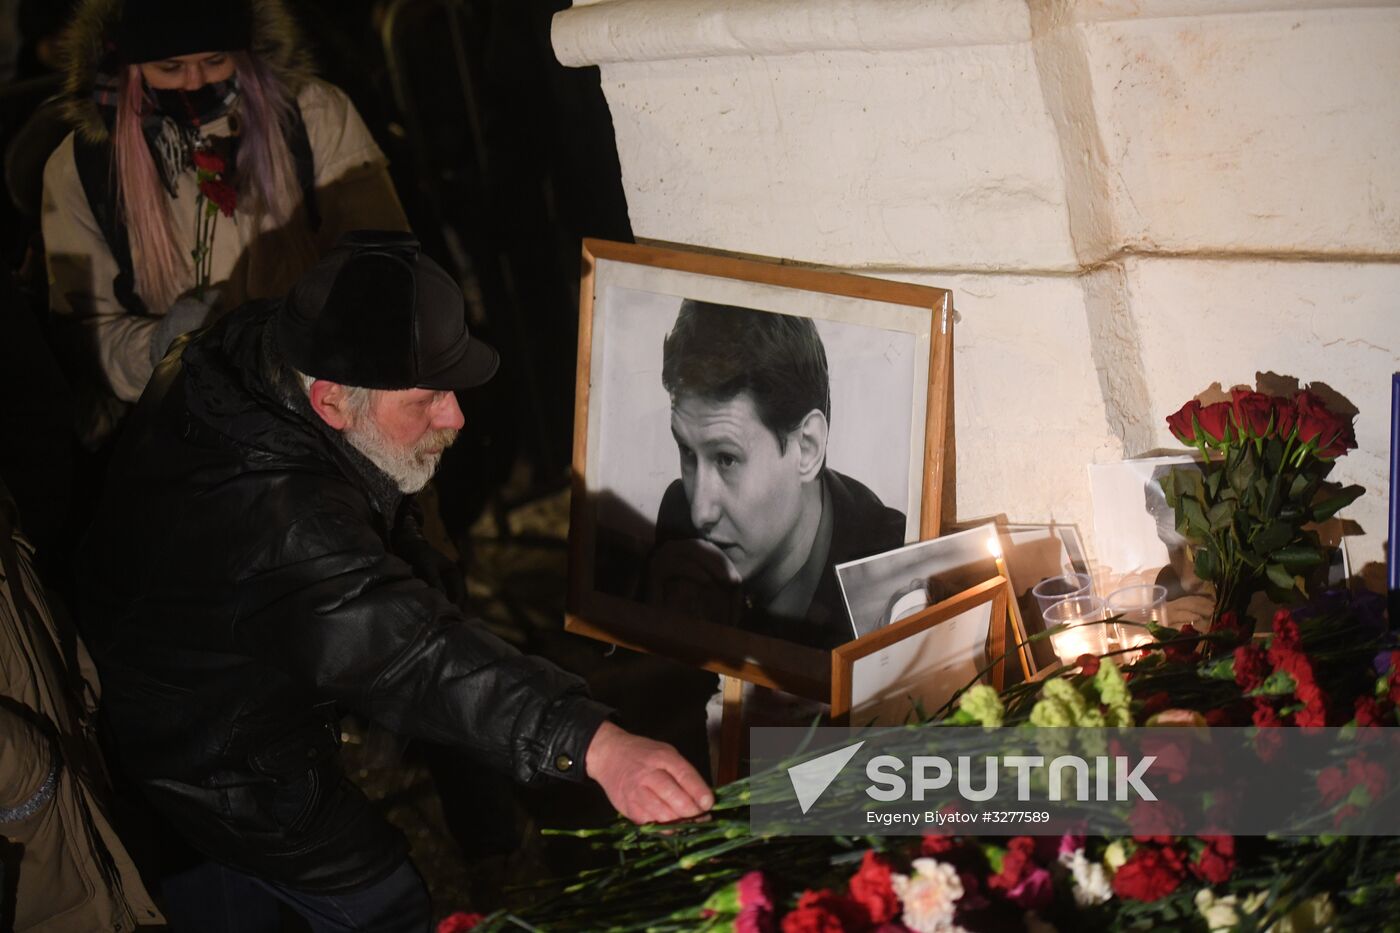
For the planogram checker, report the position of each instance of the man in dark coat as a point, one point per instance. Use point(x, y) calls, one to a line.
point(257, 568)
point(756, 507)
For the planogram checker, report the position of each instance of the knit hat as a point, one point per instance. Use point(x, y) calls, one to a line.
point(154, 30)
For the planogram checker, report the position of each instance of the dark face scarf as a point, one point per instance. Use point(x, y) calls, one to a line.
point(172, 125)
point(198, 107)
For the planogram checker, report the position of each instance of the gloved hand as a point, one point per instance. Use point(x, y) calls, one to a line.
point(434, 568)
point(188, 312)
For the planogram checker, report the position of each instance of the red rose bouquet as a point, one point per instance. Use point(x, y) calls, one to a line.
point(216, 196)
point(1248, 511)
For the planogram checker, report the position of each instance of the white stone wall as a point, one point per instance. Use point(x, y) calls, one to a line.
point(1130, 199)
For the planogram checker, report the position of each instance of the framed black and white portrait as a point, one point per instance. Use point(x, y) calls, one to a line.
point(740, 428)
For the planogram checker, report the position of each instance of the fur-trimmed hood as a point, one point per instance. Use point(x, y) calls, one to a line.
point(276, 40)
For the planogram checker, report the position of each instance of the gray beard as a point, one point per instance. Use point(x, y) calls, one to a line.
point(409, 469)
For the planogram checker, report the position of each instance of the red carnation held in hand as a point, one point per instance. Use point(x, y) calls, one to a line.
point(222, 194)
point(207, 160)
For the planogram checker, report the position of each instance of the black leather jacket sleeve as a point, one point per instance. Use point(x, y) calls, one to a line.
point(328, 604)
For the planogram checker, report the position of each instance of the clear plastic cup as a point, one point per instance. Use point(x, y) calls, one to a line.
point(1077, 638)
point(1139, 604)
point(1066, 586)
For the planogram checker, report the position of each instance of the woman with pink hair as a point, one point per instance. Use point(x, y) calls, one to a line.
point(136, 254)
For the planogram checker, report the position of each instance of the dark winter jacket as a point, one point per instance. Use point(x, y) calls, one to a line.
point(243, 586)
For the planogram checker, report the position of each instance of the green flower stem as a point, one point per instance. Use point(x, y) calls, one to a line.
point(663, 873)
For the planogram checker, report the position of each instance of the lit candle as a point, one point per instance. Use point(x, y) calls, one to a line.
point(1071, 643)
point(1069, 635)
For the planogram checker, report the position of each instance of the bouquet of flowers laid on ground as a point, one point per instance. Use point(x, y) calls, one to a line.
point(1248, 511)
point(1332, 662)
point(216, 196)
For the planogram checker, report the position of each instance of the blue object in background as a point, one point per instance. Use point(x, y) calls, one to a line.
point(1392, 559)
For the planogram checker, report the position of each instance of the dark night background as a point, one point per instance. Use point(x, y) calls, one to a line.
point(504, 161)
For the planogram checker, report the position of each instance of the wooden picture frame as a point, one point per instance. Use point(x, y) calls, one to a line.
point(992, 594)
point(618, 280)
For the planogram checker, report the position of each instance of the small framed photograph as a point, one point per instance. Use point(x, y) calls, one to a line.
point(882, 589)
point(918, 663)
point(741, 428)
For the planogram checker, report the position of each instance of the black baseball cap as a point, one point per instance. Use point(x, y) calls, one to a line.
point(375, 312)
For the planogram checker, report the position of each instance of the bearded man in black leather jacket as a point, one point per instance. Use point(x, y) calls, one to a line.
point(257, 568)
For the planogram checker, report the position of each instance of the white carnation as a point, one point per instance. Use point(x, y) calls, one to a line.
point(1092, 884)
point(1219, 913)
point(929, 896)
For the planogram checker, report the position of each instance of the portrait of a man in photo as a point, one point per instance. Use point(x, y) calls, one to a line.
point(750, 532)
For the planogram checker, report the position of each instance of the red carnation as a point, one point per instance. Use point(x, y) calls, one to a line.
point(1156, 702)
point(1286, 631)
point(1315, 700)
point(1014, 864)
point(1182, 424)
point(1231, 623)
point(216, 196)
point(1183, 647)
point(1154, 821)
point(1336, 785)
point(1311, 694)
point(1371, 712)
point(1332, 784)
point(1151, 873)
point(1253, 411)
point(825, 912)
point(1267, 742)
point(221, 194)
point(1215, 422)
point(1173, 756)
point(1216, 862)
point(1217, 717)
point(1088, 664)
point(935, 845)
point(1311, 717)
point(1265, 716)
point(207, 160)
point(1292, 662)
point(1298, 666)
point(812, 920)
point(1251, 667)
point(458, 922)
point(871, 888)
point(1143, 839)
point(1369, 775)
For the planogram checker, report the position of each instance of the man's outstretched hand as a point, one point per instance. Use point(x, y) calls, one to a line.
point(647, 781)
